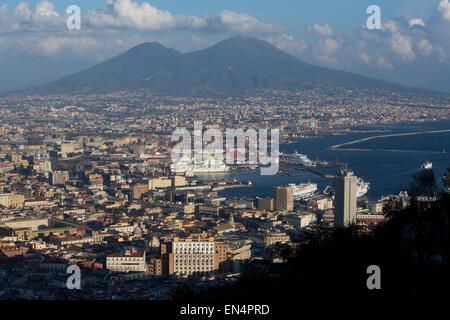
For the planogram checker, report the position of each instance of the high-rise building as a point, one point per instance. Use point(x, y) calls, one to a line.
point(345, 198)
point(284, 198)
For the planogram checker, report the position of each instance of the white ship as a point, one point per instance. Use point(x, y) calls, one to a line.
point(303, 190)
point(363, 188)
point(190, 167)
point(445, 182)
point(427, 165)
point(302, 158)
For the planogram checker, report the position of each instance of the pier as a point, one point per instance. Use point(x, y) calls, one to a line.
point(299, 166)
point(339, 146)
point(317, 172)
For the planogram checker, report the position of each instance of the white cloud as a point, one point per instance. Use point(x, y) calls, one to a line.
point(53, 44)
point(425, 47)
point(416, 21)
point(131, 15)
point(229, 21)
point(127, 14)
point(364, 57)
point(45, 9)
point(401, 45)
point(326, 51)
point(329, 46)
point(43, 17)
point(383, 63)
point(288, 43)
point(42, 30)
point(391, 26)
point(444, 8)
point(320, 30)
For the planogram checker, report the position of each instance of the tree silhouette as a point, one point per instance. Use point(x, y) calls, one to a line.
point(423, 184)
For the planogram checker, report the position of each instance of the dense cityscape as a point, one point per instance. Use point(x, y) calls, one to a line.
point(208, 159)
point(88, 180)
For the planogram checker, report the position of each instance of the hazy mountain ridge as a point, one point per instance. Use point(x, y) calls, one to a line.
point(233, 66)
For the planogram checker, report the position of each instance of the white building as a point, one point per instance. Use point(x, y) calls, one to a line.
point(193, 256)
point(299, 220)
point(123, 228)
point(345, 198)
point(133, 260)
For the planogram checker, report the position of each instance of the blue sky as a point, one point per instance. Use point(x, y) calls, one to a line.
point(412, 47)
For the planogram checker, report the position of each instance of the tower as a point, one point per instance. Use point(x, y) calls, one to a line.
point(284, 198)
point(345, 198)
point(231, 220)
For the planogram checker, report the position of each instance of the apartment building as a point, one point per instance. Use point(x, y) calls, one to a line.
point(159, 183)
point(132, 260)
point(193, 255)
point(276, 237)
point(10, 200)
point(190, 256)
point(59, 177)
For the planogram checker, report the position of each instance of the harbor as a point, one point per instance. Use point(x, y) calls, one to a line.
point(387, 172)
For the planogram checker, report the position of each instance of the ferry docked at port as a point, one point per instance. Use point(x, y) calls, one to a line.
point(298, 157)
point(189, 167)
point(303, 190)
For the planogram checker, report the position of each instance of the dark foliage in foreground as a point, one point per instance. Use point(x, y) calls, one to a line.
point(412, 250)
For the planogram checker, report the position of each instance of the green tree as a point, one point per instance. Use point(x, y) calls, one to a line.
point(423, 184)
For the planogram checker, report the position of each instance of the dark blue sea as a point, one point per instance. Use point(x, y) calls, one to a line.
point(387, 172)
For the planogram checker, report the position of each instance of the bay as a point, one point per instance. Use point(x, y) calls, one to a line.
point(387, 172)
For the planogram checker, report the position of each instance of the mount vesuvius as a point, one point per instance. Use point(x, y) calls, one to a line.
point(233, 66)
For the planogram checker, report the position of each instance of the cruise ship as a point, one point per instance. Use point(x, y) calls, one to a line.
point(302, 158)
point(303, 190)
point(363, 188)
point(427, 165)
point(190, 167)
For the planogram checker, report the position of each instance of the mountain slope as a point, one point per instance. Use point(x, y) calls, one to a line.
point(236, 65)
point(441, 83)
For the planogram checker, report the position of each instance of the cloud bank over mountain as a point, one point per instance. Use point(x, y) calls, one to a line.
point(413, 51)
